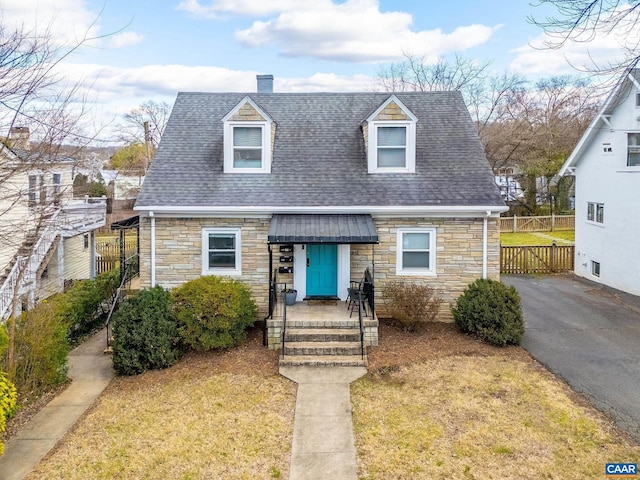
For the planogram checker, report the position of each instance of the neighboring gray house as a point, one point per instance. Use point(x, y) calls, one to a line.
point(397, 183)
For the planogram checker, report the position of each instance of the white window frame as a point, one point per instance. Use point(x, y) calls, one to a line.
point(595, 213)
point(56, 188)
point(229, 148)
point(636, 149)
point(400, 270)
point(237, 270)
point(410, 155)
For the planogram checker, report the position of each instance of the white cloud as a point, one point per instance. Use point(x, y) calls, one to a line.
point(124, 39)
point(253, 8)
point(601, 48)
point(113, 91)
point(355, 30)
point(67, 22)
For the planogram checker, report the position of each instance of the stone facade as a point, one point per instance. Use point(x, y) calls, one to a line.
point(391, 112)
point(458, 257)
point(179, 252)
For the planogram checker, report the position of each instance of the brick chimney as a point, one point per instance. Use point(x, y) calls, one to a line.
point(19, 137)
point(265, 83)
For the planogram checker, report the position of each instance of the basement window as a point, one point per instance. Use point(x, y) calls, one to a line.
point(595, 268)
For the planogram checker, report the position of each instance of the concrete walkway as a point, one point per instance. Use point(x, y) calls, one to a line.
point(323, 445)
point(91, 372)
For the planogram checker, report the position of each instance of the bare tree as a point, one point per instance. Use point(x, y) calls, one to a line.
point(525, 129)
point(537, 129)
point(485, 95)
point(154, 114)
point(582, 20)
point(44, 120)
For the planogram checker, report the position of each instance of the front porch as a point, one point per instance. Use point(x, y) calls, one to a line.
point(318, 333)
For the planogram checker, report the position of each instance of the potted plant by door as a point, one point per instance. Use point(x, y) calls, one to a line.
point(290, 296)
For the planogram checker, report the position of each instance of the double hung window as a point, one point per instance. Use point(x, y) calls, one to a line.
point(416, 251)
point(633, 149)
point(221, 252)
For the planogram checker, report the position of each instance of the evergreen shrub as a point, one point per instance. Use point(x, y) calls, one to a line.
point(490, 310)
point(213, 312)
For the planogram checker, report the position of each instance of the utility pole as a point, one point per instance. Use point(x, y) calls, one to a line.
point(146, 144)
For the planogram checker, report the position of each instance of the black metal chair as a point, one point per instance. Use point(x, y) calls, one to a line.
point(356, 296)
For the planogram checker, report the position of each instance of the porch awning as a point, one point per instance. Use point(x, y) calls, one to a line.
point(322, 229)
point(127, 223)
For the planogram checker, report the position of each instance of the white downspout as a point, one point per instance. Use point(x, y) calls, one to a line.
point(484, 244)
point(153, 249)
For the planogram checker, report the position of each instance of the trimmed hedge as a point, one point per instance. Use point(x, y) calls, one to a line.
point(213, 312)
point(490, 310)
point(145, 333)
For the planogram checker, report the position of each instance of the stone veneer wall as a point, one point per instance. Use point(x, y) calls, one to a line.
point(458, 256)
point(179, 252)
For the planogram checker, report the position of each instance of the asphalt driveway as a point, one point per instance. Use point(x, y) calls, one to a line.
point(588, 335)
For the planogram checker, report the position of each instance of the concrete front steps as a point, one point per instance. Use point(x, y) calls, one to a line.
point(323, 346)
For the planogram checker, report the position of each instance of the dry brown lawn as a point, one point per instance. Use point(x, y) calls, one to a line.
point(212, 416)
point(474, 411)
point(435, 405)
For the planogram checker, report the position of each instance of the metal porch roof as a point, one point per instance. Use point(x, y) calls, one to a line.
point(322, 229)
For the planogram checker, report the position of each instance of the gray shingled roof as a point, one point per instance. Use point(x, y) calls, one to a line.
point(319, 155)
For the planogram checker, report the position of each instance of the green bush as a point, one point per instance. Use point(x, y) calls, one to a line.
point(85, 303)
point(40, 349)
point(411, 304)
point(7, 391)
point(145, 333)
point(213, 312)
point(491, 311)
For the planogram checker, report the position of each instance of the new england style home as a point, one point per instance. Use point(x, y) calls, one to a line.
point(312, 189)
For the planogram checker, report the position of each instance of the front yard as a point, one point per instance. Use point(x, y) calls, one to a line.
point(437, 404)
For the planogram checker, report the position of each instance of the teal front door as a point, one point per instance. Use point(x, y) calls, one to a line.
point(322, 270)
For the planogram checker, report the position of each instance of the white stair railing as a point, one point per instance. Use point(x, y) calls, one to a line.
point(8, 288)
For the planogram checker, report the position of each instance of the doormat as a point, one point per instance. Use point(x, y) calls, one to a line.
point(332, 301)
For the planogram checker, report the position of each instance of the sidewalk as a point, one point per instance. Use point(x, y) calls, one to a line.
point(91, 372)
point(323, 445)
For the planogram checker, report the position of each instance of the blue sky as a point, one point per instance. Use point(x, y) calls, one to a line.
point(152, 49)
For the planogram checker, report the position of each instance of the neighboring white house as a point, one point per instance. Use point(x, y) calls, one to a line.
point(606, 164)
point(46, 236)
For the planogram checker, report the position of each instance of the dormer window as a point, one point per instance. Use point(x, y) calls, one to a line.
point(248, 136)
point(391, 138)
point(247, 147)
point(392, 146)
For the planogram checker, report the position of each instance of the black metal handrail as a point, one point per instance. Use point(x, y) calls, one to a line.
point(284, 321)
point(361, 322)
point(369, 291)
point(131, 270)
